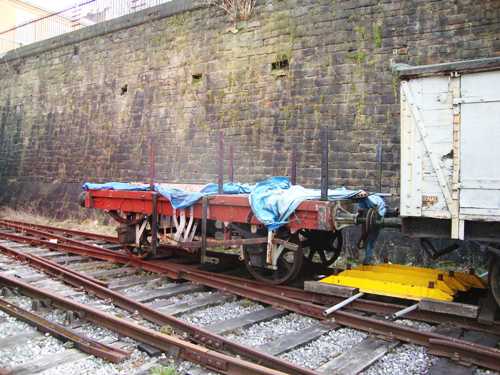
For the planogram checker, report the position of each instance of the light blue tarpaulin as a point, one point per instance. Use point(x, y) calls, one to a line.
point(115, 186)
point(272, 200)
point(182, 199)
point(275, 199)
point(229, 188)
point(178, 198)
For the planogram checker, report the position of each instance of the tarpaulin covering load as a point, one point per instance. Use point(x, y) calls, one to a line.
point(272, 200)
point(275, 199)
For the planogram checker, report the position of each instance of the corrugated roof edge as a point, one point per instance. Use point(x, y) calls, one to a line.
point(405, 71)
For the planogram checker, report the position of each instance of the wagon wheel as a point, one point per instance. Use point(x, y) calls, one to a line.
point(321, 246)
point(494, 278)
point(288, 264)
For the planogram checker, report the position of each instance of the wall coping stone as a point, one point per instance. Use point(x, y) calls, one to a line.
point(116, 24)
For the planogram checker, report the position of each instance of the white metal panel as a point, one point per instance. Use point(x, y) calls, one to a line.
point(426, 145)
point(411, 166)
point(480, 145)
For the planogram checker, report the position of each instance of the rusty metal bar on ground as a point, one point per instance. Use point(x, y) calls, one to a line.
point(85, 344)
point(483, 357)
point(198, 334)
point(324, 163)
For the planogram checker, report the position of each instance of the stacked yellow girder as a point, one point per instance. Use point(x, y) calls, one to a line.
point(414, 283)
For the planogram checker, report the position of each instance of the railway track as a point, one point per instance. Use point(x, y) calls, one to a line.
point(274, 326)
point(63, 300)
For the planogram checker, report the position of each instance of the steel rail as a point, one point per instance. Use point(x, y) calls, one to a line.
point(175, 270)
point(62, 268)
point(364, 305)
point(186, 350)
point(85, 344)
point(71, 232)
point(387, 329)
point(53, 236)
point(479, 357)
point(463, 353)
point(199, 335)
point(179, 271)
point(97, 253)
point(448, 347)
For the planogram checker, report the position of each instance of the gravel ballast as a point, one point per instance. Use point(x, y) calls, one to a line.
point(405, 359)
point(325, 348)
point(264, 332)
point(219, 313)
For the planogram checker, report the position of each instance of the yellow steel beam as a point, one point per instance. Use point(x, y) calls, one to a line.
point(466, 280)
point(388, 288)
point(429, 274)
point(405, 280)
point(408, 282)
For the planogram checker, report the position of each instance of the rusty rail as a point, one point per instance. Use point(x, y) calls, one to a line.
point(463, 352)
point(71, 232)
point(197, 334)
point(188, 351)
point(364, 305)
point(85, 344)
point(478, 354)
point(178, 271)
point(175, 270)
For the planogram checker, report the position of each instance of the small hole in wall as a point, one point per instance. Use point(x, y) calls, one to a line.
point(124, 89)
point(197, 77)
point(76, 51)
point(280, 64)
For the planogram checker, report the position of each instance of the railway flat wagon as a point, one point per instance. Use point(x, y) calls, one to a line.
point(450, 156)
point(151, 222)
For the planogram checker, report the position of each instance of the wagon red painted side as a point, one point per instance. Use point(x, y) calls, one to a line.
point(311, 214)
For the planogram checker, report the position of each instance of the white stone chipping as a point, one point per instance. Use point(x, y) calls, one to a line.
point(324, 348)
point(220, 313)
point(405, 359)
point(264, 332)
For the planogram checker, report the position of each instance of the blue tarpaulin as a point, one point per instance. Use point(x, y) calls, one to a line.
point(115, 186)
point(275, 199)
point(272, 200)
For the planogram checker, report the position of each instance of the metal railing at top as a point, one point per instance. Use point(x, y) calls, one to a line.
point(86, 13)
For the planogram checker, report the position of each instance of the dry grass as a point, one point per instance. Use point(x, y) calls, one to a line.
point(88, 225)
point(238, 10)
